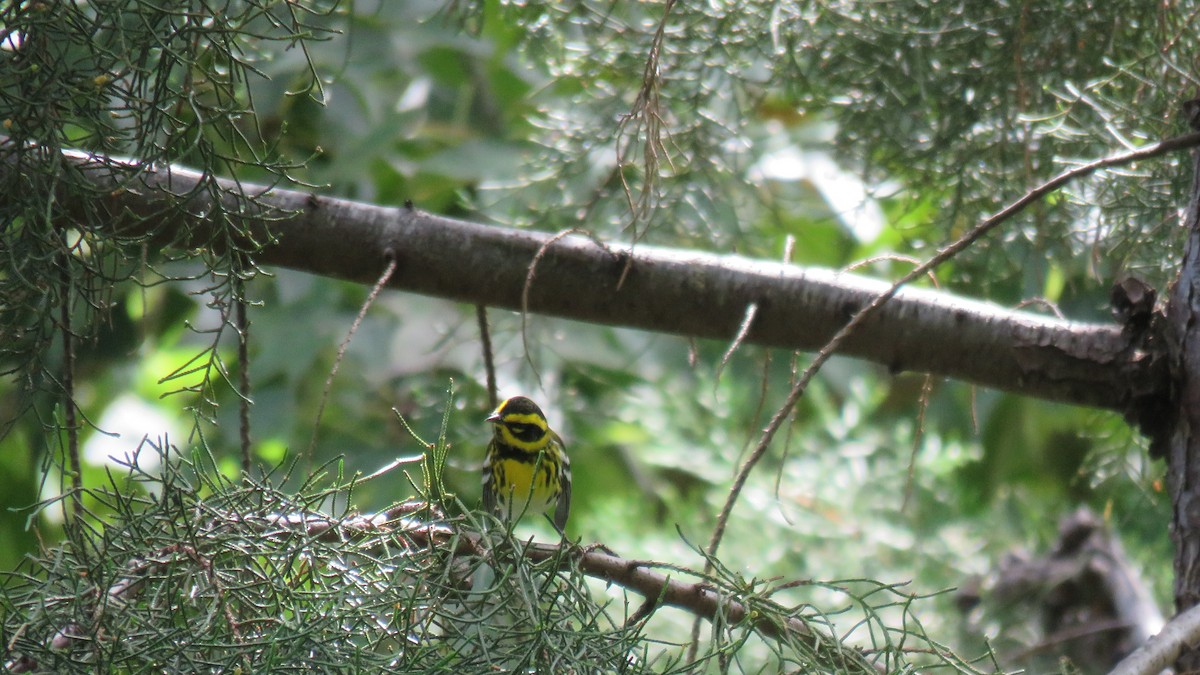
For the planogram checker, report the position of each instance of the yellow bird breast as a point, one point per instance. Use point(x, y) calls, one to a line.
point(520, 480)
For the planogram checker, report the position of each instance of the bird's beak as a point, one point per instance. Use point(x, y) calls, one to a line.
point(493, 418)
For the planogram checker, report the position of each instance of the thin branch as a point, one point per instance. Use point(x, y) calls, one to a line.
point(743, 331)
point(388, 271)
point(489, 364)
point(926, 387)
point(74, 465)
point(647, 110)
point(918, 433)
point(530, 275)
point(243, 356)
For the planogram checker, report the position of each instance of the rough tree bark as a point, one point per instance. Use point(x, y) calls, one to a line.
point(1183, 458)
point(683, 292)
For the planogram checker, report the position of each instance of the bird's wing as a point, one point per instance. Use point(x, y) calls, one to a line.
point(563, 508)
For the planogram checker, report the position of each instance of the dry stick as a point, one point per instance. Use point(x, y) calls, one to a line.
point(1160, 148)
point(923, 407)
point(68, 385)
point(337, 362)
point(738, 340)
point(489, 365)
point(789, 245)
point(926, 389)
point(243, 355)
point(529, 276)
point(911, 476)
point(647, 106)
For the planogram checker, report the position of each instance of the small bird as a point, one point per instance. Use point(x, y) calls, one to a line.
point(526, 468)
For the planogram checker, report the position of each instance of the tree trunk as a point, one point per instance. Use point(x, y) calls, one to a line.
point(1183, 457)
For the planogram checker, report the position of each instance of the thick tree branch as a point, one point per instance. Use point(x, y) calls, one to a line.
point(681, 292)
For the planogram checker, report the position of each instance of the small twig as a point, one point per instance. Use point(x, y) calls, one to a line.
point(529, 277)
point(411, 459)
point(643, 611)
point(68, 385)
point(743, 332)
point(787, 439)
point(362, 313)
point(243, 355)
point(789, 247)
point(489, 364)
point(1042, 302)
point(648, 108)
point(926, 386)
point(918, 433)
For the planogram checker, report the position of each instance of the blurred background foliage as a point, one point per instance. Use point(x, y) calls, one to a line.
point(831, 132)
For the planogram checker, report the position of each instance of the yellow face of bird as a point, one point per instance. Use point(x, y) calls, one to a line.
point(520, 424)
point(526, 467)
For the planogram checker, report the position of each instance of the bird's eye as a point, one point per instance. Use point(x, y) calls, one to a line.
point(517, 429)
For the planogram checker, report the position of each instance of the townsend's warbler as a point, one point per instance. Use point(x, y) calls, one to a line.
point(526, 469)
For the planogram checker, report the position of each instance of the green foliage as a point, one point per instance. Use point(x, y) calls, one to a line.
point(212, 575)
point(135, 79)
point(964, 105)
point(215, 575)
